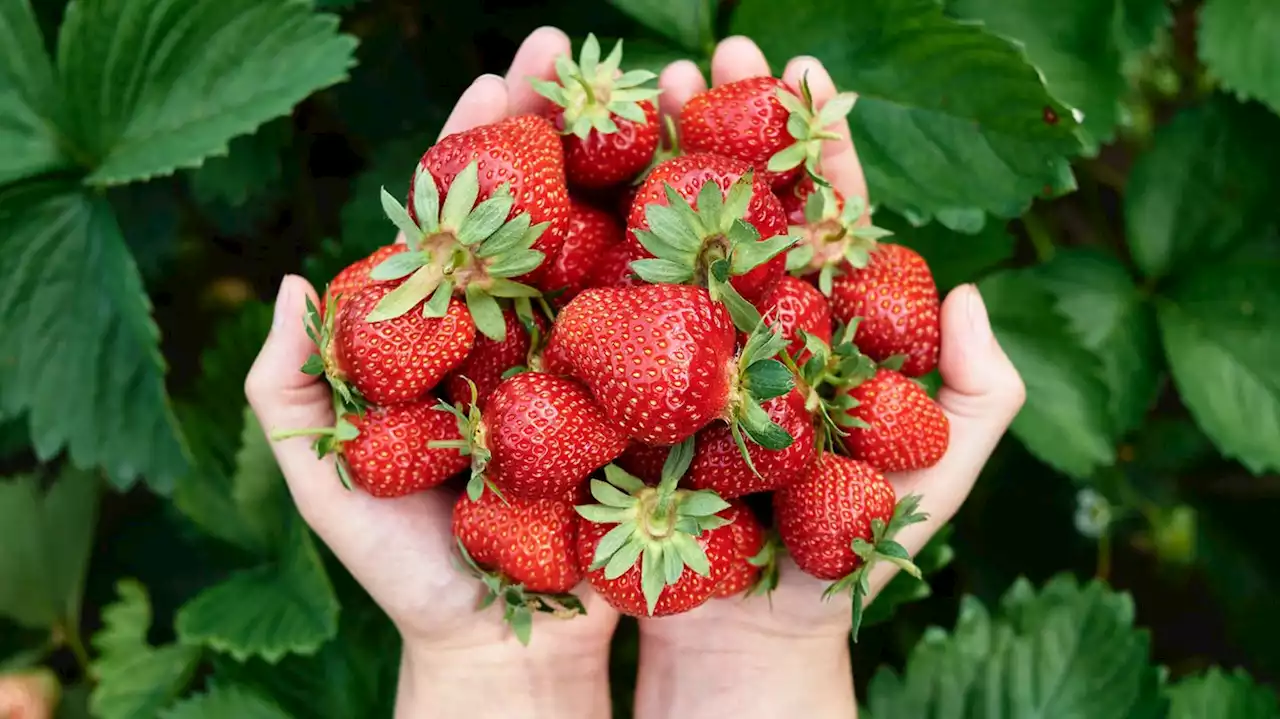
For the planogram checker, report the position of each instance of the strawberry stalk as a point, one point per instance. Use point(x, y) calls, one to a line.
point(808, 127)
point(591, 91)
point(760, 378)
point(518, 603)
point(831, 236)
point(474, 443)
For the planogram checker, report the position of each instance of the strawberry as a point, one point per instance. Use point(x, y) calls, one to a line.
point(833, 234)
point(793, 306)
point(613, 268)
point(659, 361)
point(718, 464)
point(654, 551)
point(730, 238)
point(608, 121)
point(897, 426)
point(749, 543)
point(525, 553)
point(592, 233)
point(644, 461)
point(897, 301)
point(489, 360)
point(355, 277)
point(763, 122)
point(840, 521)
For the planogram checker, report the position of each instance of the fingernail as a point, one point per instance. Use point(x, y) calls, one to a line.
point(979, 321)
point(282, 301)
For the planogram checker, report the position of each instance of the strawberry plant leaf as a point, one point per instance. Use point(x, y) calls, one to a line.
point(953, 258)
point(688, 23)
point(251, 168)
point(28, 97)
point(1065, 421)
point(225, 701)
point(186, 79)
point(1217, 694)
point(989, 143)
point(48, 537)
point(1237, 44)
point(75, 315)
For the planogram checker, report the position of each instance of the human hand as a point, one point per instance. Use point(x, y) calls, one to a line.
point(402, 550)
point(788, 654)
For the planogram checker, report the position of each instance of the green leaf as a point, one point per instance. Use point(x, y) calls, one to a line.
point(1236, 40)
point(135, 680)
point(48, 536)
point(1204, 187)
point(982, 143)
point(689, 23)
point(252, 167)
point(769, 378)
point(1218, 330)
point(1217, 694)
point(185, 78)
point(223, 702)
point(76, 316)
point(1095, 292)
point(28, 97)
point(1065, 421)
point(953, 258)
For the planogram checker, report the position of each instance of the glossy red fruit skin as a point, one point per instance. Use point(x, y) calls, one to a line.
point(592, 233)
point(525, 151)
point(657, 359)
point(897, 299)
point(529, 541)
point(908, 429)
point(602, 160)
point(355, 277)
point(818, 519)
point(391, 456)
point(718, 464)
point(748, 539)
point(400, 359)
point(687, 174)
point(793, 305)
point(743, 120)
point(489, 359)
point(795, 194)
point(644, 461)
point(690, 591)
point(613, 268)
point(545, 436)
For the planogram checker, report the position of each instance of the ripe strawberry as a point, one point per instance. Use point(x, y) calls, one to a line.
point(718, 464)
point(748, 541)
point(355, 277)
point(833, 234)
point(644, 461)
point(737, 223)
point(489, 360)
point(897, 427)
point(897, 299)
point(795, 305)
point(654, 551)
point(762, 121)
point(592, 233)
point(525, 552)
point(613, 268)
point(609, 121)
point(537, 437)
point(659, 361)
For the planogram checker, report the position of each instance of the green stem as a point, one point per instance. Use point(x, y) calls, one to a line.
point(304, 432)
point(1038, 233)
point(71, 636)
point(1103, 571)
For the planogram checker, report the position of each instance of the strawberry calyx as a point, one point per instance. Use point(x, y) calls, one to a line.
point(828, 374)
point(320, 328)
point(766, 560)
point(808, 127)
point(656, 526)
point(831, 237)
point(474, 442)
point(882, 548)
point(591, 92)
point(518, 604)
point(760, 377)
point(707, 246)
point(458, 247)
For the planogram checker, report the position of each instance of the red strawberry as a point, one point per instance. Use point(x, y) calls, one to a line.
point(609, 121)
point(796, 305)
point(490, 359)
point(654, 551)
point(762, 121)
point(391, 455)
point(592, 234)
point(355, 277)
point(718, 463)
point(843, 501)
point(695, 210)
point(644, 461)
point(613, 268)
point(538, 436)
point(897, 301)
point(748, 540)
point(898, 425)
point(396, 360)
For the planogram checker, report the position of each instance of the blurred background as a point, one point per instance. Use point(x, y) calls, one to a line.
point(1129, 253)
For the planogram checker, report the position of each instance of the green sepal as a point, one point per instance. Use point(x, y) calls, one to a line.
point(400, 218)
point(583, 84)
point(514, 264)
point(702, 503)
point(799, 257)
point(610, 496)
point(518, 604)
point(748, 251)
point(509, 236)
point(762, 430)
point(624, 559)
point(485, 219)
point(653, 577)
point(503, 287)
point(314, 366)
point(894, 362)
point(767, 561)
point(744, 315)
point(659, 271)
point(461, 197)
point(768, 378)
point(808, 128)
point(407, 296)
point(401, 264)
point(486, 313)
point(438, 305)
point(601, 514)
point(622, 479)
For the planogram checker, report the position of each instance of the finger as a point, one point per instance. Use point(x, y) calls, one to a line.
point(679, 82)
point(535, 58)
point(482, 103)
point(737, 58)
point(839, 163)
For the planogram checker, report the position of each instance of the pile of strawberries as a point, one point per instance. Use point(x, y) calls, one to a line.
point(653, 365)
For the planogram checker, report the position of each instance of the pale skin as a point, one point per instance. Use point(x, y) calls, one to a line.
point(736, 657)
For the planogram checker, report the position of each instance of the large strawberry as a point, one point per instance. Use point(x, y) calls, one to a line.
point(897, 301)
point(644, 461)
point(896, 426)
point(613, 268)
point(609, 121)
point(719, 464)
point(762, 121)
point(525, 553)
point(841, 521)
point(749, 551)
point(734, 229)
point(659, 361)
point(654, 551)
point(355, 277)
point(795, 306)
point(592, 234)
point(490, 359)
point(833, 234)
point(537, 437)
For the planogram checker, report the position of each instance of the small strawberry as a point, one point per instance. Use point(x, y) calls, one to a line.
point(749, 543)
point(592, 233)
point(794, 306)
point(355, 277)
point(490, 360)
point(654, 551)
point(525, 553)
point(896, 425)
point(834, 234)
point(762, 121)
point(609, 121)
point(729, 240)
point(897, 301)
point(720, 466)
point(842, 520)
point(537, 437)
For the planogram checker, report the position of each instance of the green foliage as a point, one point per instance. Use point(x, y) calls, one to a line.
point(1220, 695)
